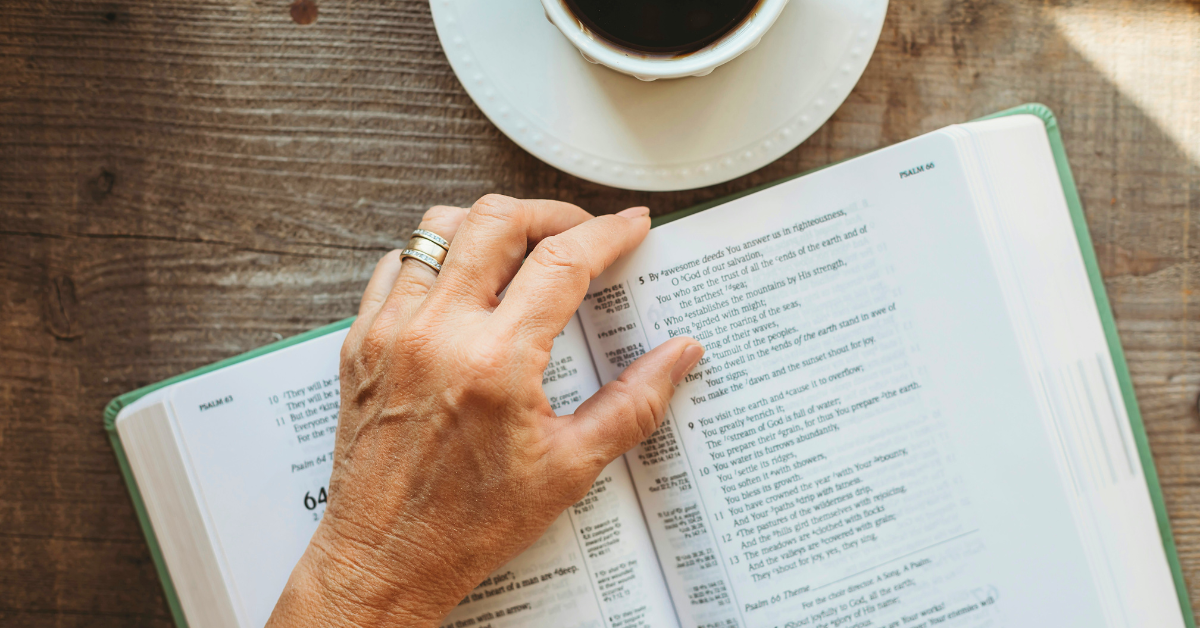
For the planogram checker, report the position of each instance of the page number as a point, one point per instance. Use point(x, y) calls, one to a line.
point(311, 502)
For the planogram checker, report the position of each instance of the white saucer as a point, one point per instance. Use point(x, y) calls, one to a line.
point(666, 135)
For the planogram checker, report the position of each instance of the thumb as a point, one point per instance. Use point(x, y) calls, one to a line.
point(628, 409)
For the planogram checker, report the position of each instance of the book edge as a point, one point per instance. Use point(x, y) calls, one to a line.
point(1112, 337)
point(110, 427)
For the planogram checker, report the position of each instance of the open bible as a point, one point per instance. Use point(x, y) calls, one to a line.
point(913, 412)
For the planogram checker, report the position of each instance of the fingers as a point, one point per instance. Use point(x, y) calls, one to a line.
point(399, 280)
point(626, 411)
point(548, 288)
point(416, 278)
point(380, 285)
point(378, 288)
point(493, 241)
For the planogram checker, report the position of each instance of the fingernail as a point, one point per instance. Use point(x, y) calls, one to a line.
point(634, 212)
point(687, 361)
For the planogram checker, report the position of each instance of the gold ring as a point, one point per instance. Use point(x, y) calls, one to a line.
point(432, 237)
point(425, 249)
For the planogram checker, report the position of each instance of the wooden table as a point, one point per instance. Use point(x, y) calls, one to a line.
point(184, 181)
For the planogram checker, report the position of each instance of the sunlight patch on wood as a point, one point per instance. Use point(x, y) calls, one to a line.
point(1123, 39)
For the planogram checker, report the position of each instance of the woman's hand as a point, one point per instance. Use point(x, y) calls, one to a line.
point(449, 460)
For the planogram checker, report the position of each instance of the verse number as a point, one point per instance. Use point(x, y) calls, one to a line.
point(311, 502)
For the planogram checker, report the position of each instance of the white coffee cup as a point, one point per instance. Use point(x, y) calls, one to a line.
point(649, 67)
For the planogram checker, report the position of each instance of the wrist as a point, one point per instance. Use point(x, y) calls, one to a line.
point(345, 582)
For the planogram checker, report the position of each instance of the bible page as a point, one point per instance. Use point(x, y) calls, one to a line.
point(861, 444)
point(258, 438)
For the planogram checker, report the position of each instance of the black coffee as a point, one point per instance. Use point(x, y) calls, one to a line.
point(661, 26)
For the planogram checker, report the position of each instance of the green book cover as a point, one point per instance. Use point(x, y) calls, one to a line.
point(1089, 258)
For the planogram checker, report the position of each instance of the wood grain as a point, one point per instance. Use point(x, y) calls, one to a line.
point(184, 181)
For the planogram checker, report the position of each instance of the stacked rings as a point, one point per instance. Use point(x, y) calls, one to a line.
point(428, 248)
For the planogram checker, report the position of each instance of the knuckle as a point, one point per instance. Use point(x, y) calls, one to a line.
point(644, 413)
point(433, 214)
point(374, 344)
point(657, 407)
point(441, 217)
point(487, 358)
point(416, 282)
point(496, 206)
point(559, 253)
point(415, 336)
point(590, 463)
